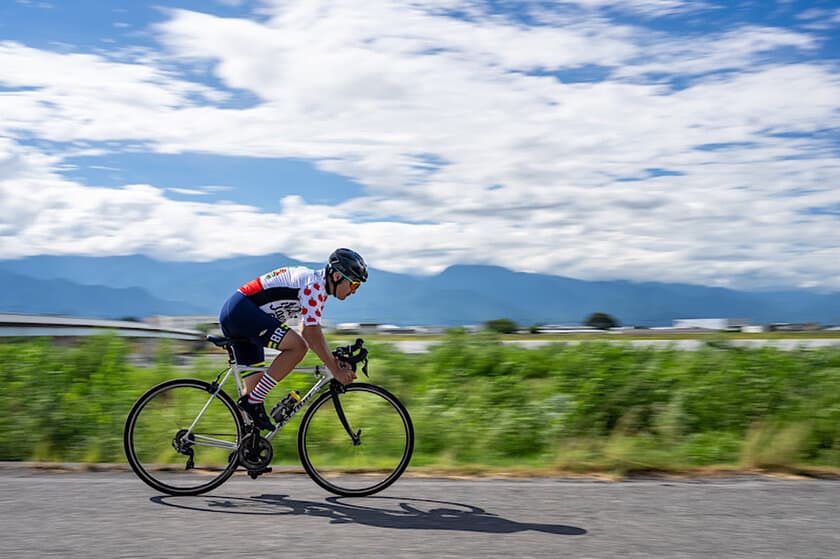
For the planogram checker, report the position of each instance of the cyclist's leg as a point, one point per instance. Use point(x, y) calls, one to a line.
point(252, 355)
point(293, 349)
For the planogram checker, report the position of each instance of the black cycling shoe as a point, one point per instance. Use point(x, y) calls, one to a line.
point(256, 413)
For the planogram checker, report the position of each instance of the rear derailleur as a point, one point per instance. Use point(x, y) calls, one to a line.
point(183, 444)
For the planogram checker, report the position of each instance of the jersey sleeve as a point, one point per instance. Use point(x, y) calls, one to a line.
point(312, 299)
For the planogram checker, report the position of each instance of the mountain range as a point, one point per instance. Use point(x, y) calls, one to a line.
point(139, 286)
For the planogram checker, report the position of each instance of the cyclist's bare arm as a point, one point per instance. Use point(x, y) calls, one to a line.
point(314, 337)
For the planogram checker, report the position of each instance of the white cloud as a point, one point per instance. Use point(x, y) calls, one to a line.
point(33, 4)
point(467, 150)
point(647, 7)
point(188, 191)
point(746, 48)
point(66, 97)
point(824, 18)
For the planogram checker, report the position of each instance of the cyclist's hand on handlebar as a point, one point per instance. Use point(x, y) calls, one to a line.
point(345, 374)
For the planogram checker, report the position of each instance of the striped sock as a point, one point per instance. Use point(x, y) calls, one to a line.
point(261, 390)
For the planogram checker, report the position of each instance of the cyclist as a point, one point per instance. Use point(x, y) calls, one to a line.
point(259, 312)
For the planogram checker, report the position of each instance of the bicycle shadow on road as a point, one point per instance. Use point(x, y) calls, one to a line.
point(399, 513)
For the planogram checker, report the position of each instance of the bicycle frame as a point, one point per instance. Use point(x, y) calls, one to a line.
point(235, 442)
point(322, 375)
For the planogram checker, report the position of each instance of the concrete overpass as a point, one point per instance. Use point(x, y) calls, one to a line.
point(29, 325)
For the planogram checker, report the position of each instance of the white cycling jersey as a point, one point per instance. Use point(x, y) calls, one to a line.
point(290, 294)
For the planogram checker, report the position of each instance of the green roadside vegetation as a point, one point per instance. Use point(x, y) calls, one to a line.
point(480, 405)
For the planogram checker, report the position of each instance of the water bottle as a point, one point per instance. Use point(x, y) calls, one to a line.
point(285, 406)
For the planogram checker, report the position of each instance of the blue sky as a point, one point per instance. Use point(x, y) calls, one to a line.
point(660, 140)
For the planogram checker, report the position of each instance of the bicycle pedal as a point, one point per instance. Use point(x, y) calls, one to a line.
point(257, 473)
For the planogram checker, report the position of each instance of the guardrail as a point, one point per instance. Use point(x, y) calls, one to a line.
point(44, 325)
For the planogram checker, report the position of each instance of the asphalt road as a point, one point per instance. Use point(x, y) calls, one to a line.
point(113, 515)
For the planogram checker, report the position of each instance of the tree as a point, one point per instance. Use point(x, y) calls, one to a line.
point(502, 325)
point(601, 321)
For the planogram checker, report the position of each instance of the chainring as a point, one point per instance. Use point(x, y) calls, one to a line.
point(257, 458)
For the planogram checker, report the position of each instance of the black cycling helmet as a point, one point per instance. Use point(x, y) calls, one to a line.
point(350, 263)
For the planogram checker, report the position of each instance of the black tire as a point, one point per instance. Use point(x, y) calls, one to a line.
point(329, 455)
point(164, 414)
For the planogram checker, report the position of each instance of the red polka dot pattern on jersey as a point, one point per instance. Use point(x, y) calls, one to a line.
point(312, 300)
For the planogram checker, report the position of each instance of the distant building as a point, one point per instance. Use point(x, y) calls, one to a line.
point(357, 328)
point(567, 329)
point(394, 329)
point(720, 324)
point(794, 327)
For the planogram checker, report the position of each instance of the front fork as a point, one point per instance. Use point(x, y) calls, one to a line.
point(337, 388)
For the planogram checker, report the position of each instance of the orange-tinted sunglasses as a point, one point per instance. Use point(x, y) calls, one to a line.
point(354, 285)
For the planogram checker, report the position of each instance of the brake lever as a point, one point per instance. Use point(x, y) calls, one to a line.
point(345, 354)
point(362, 358)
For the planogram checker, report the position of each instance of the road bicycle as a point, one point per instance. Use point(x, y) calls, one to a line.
point(188, 436)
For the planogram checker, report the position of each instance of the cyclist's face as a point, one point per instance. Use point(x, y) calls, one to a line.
point(344, 287)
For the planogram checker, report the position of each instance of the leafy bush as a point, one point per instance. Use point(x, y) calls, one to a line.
point(476, 400)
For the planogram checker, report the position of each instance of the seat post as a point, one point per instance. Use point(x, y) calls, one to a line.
point(225, 342)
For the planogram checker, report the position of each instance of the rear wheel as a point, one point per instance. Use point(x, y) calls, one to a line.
point(174, 447)
point(364, 455)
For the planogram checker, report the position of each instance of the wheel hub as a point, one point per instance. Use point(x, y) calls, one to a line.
point(183, 441)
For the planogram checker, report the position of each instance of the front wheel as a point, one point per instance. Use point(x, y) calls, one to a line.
point(182, 435)
point(362, 455)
